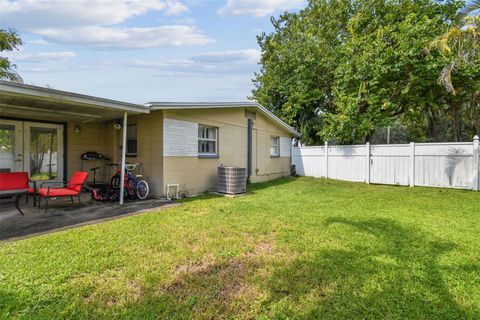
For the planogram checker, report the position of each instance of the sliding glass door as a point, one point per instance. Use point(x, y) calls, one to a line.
point(11, 146)
point(43, 145)
point(36, 148)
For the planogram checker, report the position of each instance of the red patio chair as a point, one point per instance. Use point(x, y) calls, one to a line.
point(14, 184)
point(18, 177)
point(71, 189)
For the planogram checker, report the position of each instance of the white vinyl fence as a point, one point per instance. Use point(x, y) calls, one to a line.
point(446, 165)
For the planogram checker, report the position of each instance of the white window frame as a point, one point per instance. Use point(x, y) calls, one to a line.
point(208, 154)
point(276, 146)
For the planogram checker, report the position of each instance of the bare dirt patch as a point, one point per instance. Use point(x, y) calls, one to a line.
point(218, 286)
point(196, 266)
point(262, 249)
point(110, 290)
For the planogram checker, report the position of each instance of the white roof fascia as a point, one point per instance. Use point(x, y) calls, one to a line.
point(219, 105)
point(47, 93)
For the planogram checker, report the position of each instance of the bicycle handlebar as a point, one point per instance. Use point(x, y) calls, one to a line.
point(128, 166)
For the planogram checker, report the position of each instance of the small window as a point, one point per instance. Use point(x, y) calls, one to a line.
point(132, 140)
point(274, 146)
point(207, 141)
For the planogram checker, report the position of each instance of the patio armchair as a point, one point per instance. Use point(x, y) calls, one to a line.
point(14, 184)
point(19, 177)
point(70, 189)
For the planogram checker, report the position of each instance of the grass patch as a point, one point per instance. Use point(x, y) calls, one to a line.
point(293, 248)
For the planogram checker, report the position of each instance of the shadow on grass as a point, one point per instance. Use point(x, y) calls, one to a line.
point(211, 288)
point(394, 276)
point(273, 183)
point(251, 189)
point(385, 270)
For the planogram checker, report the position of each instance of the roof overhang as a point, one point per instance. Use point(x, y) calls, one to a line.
point(32, 102)
point(221, 105)
point(24, 101)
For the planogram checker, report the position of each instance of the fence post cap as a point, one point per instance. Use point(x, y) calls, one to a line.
point(476, 138)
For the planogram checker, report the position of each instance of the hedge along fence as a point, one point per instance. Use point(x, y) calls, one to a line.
point(446, 165)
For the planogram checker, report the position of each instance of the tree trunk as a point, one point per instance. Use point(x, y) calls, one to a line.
point(456, 121)
point(431, 126)
point(475, 113)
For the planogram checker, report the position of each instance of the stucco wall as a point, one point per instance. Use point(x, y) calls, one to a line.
point(104, 139)
point(92, 137)
point(196, 175)
point(149, 148)
point(266, 167)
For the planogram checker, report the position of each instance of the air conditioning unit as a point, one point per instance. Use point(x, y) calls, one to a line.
point(232, 180)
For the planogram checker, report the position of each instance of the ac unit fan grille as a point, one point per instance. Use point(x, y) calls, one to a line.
point(232, 180)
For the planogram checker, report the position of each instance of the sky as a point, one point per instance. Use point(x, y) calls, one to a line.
point(142, 50)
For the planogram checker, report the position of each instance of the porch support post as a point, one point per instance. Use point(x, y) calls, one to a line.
point(124, 151)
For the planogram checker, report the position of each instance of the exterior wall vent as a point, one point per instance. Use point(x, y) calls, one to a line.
point(232, 180)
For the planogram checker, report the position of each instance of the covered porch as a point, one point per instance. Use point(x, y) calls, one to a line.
point(44, 132)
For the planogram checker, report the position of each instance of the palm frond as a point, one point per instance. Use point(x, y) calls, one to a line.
point(471, 8)
point(445, 78)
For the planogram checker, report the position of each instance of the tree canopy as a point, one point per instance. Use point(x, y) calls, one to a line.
point(340, 70)
point(9, 41)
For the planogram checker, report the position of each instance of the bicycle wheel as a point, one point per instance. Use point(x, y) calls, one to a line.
point(115, 181)
point(142, 189)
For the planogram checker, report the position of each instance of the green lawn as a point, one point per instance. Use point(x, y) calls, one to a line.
point(293, 248)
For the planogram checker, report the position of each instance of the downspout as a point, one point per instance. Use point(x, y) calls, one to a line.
point(249, 148)
point(124, 151)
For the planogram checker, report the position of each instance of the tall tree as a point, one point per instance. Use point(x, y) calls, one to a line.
point(9, 41)
point(338, 70)
point(460, 46)
point(384, 71)
point(298, 64)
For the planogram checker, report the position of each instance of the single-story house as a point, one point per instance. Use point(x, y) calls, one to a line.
point(45, 131)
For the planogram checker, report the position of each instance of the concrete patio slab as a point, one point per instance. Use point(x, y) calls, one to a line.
point(63, 214)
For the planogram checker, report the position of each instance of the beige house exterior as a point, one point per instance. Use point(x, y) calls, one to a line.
point(166, 137)
point(196, 174)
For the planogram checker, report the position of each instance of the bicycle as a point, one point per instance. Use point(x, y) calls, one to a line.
point(134, 186)
point(101, 191)
point(104, 193)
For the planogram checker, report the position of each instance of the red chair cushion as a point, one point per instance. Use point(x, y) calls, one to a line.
point(77, 180)
point(31, 190)
point(13, 180)
point(56, 192)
